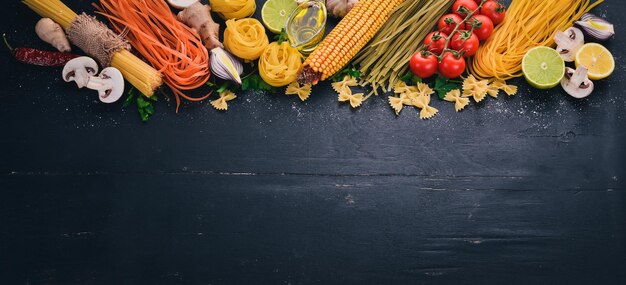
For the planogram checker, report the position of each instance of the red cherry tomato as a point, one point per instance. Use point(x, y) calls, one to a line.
point(451, 66)
point(483, 26)
point(468, 4)
point(494, 10)
point(466, 42)
point(447, 23)
point(423, 64)
point(435, 42)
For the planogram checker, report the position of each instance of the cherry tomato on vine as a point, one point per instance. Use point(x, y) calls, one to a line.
point(470, 5)
point(465, 41)
point(435, 42)
point(423, 64)
point(451, 66)
point(494, 10)
point(483, 26)
point(447, 23)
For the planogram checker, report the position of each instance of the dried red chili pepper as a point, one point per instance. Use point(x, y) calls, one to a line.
point(40, 57)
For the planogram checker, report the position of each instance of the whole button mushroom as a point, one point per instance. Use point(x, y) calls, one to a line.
point(80, 70)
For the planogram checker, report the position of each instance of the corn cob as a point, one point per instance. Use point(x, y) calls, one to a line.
point(346, 39)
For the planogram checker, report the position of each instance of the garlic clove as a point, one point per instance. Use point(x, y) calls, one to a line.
point(596, 27)
point(225, 66)
point(340, 8)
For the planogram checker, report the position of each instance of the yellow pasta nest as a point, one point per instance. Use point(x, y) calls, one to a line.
point(245, 38)
point(279, 64)
point(233, 9)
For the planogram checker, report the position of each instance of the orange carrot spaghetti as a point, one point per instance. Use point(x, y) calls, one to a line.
point(167, 44)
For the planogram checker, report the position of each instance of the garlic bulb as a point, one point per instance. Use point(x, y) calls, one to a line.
point(339, 8)
point(225, 66)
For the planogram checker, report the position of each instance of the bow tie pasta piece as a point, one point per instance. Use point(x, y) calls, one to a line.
point(245, 38)
point(424, 89)
point(303, 91)
point(510, 90)
point(355, 99)
point(476, 89)
point(423, 102)
point(454, 96)
point(221, 103)
point(396, 104)
point(493, 91)
point(346, 83)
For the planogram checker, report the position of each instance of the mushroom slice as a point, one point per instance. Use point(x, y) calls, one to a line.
point(569, 42)
point(80, 70)
point(576, 83)
point(110, 84)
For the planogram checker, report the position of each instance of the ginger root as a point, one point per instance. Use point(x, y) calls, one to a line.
point(198, 17)
point(52, 33)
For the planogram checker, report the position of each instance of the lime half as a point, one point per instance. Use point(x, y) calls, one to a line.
point(276, 12)
point(543, 67)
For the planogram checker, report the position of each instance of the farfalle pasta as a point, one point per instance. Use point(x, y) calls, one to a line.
point(355, 100)
point(279, 64)
point(245, 38)
point(347, 82)
point(221, 102)
point(233, 9)
point(474, 88)
point(454, 96)
point(303, 91)
point(423, 102)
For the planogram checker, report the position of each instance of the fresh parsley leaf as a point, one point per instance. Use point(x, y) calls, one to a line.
point(443, 86)
point(223, 87)
point(411, 79)
point(255, 82)
point(144, 107)
point(131, 97)
point(350, 70)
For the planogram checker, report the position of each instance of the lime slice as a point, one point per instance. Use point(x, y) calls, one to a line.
point(276, 12)
point(543, 67)
point(598, 60)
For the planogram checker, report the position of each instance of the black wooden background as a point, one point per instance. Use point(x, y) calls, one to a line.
point(523, 190)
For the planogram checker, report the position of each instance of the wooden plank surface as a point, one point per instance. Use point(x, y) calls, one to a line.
point(522, 190)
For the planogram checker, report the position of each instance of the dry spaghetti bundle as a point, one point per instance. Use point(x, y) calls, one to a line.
point(528, 23)
point(95, 39)
point(385, 59)
point(166, 43)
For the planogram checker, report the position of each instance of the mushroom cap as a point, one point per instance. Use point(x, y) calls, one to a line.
point(80, 69)
point(114, 76)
